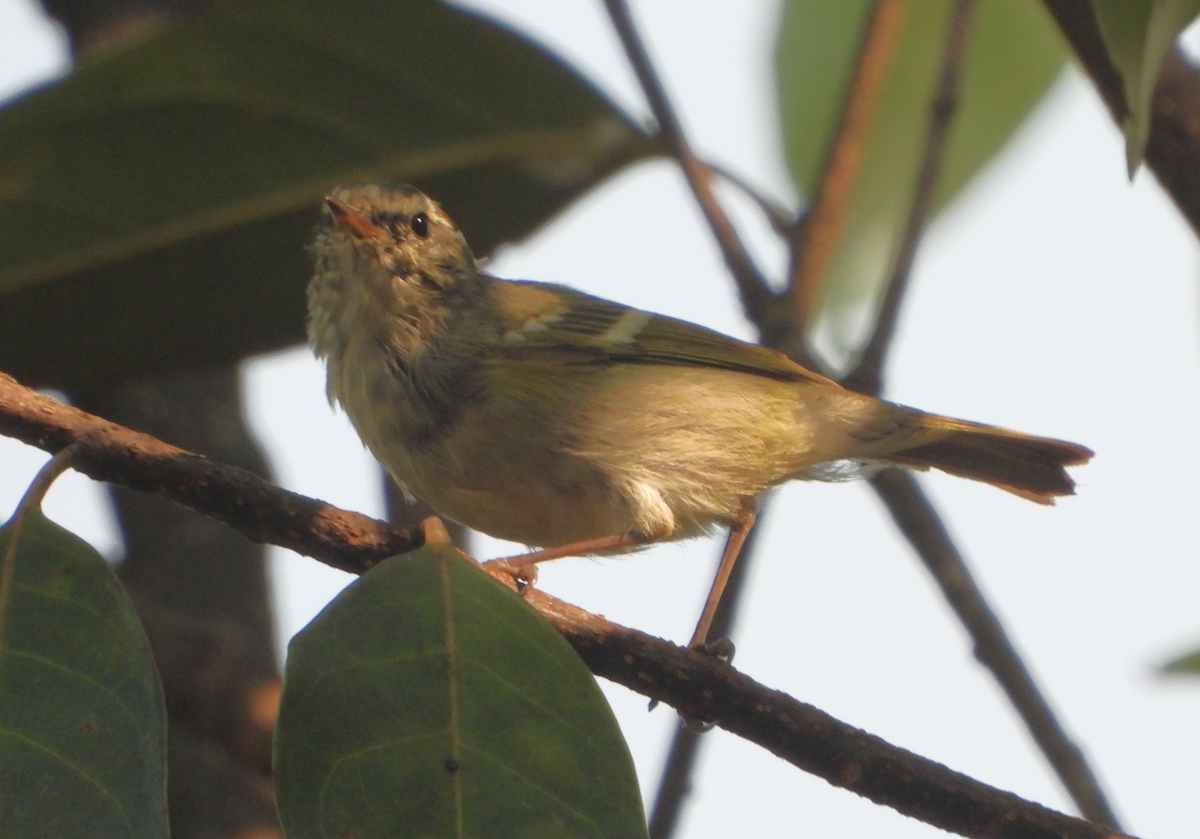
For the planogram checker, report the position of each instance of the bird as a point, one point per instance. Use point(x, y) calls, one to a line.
point(539, 414)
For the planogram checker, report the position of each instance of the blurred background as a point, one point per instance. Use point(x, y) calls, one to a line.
point(1054, 297)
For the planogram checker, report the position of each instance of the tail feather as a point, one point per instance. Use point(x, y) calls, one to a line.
point(1031, 467)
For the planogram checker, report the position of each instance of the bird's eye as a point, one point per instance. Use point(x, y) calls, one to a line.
point(420, 225)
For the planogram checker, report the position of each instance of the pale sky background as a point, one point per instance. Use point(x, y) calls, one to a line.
point(1056, 299)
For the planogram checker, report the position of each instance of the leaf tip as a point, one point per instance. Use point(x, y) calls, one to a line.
point(1136, 136)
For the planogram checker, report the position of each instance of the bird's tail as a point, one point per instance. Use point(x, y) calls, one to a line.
point(1031, 467)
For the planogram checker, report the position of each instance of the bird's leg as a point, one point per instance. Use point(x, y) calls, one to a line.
point(581, 548)
point(733, 546)
point(524, 566)
point(738, 532)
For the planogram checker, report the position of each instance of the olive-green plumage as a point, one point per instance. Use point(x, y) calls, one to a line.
point(539, 414)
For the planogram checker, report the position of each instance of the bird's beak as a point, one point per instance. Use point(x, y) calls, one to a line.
point(352, 220)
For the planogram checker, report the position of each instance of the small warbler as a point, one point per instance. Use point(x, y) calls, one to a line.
point(542, 415)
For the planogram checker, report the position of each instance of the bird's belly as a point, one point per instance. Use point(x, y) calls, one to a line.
point(657, 452)
point(538, 514)
point(692, 446)
point(506, 468)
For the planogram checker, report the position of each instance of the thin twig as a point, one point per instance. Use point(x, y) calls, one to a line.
point(675, 782)
point(867, 375)
point(916, 518)
point(757, 298)
point(812, 247)
point(761, 307)
point(697, 685)
point(816, 239)
point(910, 508)
point(780, 219)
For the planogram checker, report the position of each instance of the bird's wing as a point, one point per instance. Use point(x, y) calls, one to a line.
point(547, 323)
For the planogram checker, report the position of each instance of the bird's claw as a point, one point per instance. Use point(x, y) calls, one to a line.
point(523, 575)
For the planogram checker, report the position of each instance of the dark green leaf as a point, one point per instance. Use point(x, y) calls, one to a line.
point(1013, 54)
point(1138, 35)
point(1189, 664)
point(155, 205)
point(82, 723)
point(428, 700)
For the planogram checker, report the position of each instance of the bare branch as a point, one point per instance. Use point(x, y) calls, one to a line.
point(698, 685)
point(867, 375)
point(910, 507)
point(675, 783)
point(816, 239)
point(762, 308)
point(780, 219)
point(921, 525)
point(783, 328)
point(703, 688)
point(260, 510)
point(757, 298)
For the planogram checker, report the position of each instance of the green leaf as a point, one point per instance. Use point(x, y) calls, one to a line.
point(429, 700)
point(156, 204)
point(82, 722)
point(1138, 34)
point(1189, 664)
point(1013, 54)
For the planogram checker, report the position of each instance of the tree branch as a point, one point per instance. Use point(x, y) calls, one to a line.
point(702, 687)
point(1173, 151)
point(911, 509)
point(697, 685)
point(867, 375)
point(762, 307)
point(757, 298)
point(245, 502)
point(919, 522)
point(777, 215)
point(812, 244)
point(817, 237)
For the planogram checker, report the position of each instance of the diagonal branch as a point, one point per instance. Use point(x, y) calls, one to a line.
point(696, 684)
point(757, 298)
point(816, 239)
point(916, 518)
point(245, 502)
point(910, 508)
point(763, 309)
point(701, 687)
point(782, 327)
point(777, 216)
point(867, 375)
